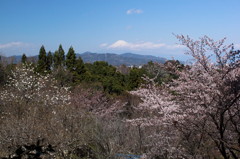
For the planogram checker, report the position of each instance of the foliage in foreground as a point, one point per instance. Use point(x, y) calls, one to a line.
point(34, 106)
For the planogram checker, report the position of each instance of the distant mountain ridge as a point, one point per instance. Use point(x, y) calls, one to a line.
point(128, 59)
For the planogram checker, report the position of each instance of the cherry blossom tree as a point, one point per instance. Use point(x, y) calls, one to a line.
point(201, 106)
point(209, 92)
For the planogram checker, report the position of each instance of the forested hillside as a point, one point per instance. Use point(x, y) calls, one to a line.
point(60, 106)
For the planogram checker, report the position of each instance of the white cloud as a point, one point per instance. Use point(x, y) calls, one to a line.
point(121, 44)
point(134, 11)
point(237, 46)
point(103, 44)
point(16, 48)
point(135, 46)
point(12, 45)
point(175, 46)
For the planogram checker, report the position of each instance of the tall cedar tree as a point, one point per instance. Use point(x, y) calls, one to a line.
point(61, 54)
point(71, 60)
point(49, 61)
point(56, 60)
point(42, 60)
point(24, 59)
point(59, 58)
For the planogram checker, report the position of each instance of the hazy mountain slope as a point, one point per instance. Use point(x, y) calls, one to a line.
point(119, 59)
point(128, 59)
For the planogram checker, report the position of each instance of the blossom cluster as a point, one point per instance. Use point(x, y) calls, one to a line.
point(25, 85)
point(202, 103)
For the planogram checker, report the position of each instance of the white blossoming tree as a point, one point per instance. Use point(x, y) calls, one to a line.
point(25, 85)
point(30, 105)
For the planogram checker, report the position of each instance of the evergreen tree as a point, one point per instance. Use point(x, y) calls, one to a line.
point(56, 63)
point(59, 58)
point(24, 59)
point(71, 59)
point(135, 78)
point(42, 60)
point(49, 61)
point(80, 68)
point(78, 73)
point(61, 55)
point(2, 74)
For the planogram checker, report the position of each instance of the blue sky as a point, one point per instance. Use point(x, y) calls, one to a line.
point(114, 26)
